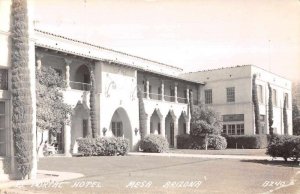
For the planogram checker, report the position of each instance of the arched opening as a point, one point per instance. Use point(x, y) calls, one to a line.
point(120, 125)
point(169, 127)
point(182, 128)
point(155, 126)
point(80, 122)
point(82, 78)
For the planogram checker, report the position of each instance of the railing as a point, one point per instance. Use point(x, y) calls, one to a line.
point(155, 96)
point(170, 98)
point(182, 100)
point(80, 86)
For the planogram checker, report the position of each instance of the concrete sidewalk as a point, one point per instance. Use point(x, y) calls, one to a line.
point(43, 176)
point(239, 157)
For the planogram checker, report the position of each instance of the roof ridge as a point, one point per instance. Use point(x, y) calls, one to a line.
point(97, 46)
point(220, 68)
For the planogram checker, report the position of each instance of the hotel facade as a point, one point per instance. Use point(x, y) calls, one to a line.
point(118, 76)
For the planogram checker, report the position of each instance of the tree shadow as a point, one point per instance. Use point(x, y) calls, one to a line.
point(274, 163)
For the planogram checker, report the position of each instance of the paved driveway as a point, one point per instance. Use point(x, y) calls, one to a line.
point(146, 174)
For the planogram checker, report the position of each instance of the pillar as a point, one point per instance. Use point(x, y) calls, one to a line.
point(39, 57)
point(67, 138)
point(147, 89)
point(162, 126)
point(68, 63)
point(187, 95)
point(175, 92)
point(175, 132)
point(188, 126)
point(162, 90)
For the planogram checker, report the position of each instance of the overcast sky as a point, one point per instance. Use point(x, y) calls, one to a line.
point(193, 35)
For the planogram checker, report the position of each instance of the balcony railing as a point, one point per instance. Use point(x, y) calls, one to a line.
point(155, 96)
point(181, 100)
point(80, 86)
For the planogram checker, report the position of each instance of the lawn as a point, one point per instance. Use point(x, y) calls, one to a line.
point(127, 175)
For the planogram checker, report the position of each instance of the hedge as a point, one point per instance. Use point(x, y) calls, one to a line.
point(285, 146)
point(103, 146)
point(247, 141)
point(154, 143)
point(186, 141)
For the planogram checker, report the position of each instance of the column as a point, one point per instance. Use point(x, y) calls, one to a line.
point(187, 95)
point(162, 90)
point(67, 138)
point(68, 63)
point(147, 89)
point(39, 57)
point(175, 92)
point(175, 132)
point(163, 126)
point(188, 126)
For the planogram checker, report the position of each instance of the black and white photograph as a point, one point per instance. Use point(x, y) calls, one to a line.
point(149, 96)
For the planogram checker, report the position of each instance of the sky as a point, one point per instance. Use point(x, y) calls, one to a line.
point(192, 34)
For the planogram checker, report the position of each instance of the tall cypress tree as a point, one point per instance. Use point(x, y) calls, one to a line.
point(270, 113)
point(92, 102)
point(142, 114)
point(255, 104)
point(21, 95)
point(285, 122)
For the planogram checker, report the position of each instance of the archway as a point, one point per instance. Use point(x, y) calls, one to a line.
point(120, 125)
point(169, 127)
point(82, 78)
point(155, 126)
point(183, 120)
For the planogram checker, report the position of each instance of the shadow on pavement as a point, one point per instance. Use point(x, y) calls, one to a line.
point(274, 163)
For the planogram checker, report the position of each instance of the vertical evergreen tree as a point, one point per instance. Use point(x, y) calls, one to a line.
point(92, 102)
point(270, 104)
point(191, 108)
point(21, 95)
point(142, 114)
point(285, 123)
point(256, 105)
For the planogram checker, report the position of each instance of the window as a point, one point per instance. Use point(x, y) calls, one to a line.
point(224, 129)
point(230, 94)
point(240, 129)
point(260, 93)
point(117, 129)
point(2, 129)
point(208, 96)
point(3, 79)
point(274, 97)
point(231, 129)
point(85, 127)
point(233, 117)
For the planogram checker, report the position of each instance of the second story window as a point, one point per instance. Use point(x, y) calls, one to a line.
point(260, 93)
point(230, 94)
point(3, 79)
point(208, 96)
point(274, 97)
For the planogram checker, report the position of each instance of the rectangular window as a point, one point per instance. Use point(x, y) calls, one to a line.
point(224, 129)
point(233, 117)
point(240, 129)
point(3, 79)
point(230, 94)
point(2, 129)
point(260, 93)
point(208, 96)
point(274, 97)
point(231, 129)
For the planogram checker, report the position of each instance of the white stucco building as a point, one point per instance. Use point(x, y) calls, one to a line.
point(166, 91)
point(229, 92)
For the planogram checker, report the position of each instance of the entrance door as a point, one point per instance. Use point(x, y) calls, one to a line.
point(171, 134)
point(84, 128)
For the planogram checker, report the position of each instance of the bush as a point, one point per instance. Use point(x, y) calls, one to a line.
point(284, 146)
point(103, 146)
point(186, 141)
point(247, 141)
point(154, 143)
point(217, 142)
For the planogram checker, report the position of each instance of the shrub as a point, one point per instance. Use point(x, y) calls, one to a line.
point(186, 141)
point(247, 141)
point(154, 143)
point(284, 146)
point(217, 142)
point(103, 146)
